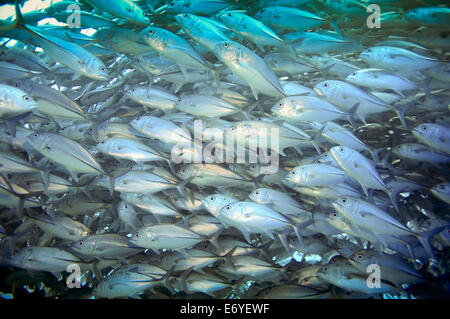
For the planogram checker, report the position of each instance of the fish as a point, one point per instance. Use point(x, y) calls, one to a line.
point(361, 169)
point(201, 30)
point(165, 236)
point(14, 102)
point(433, 135)
point(60, 226)
point(251, 29)
point(381, 80)
point(123, 9)
point(65, 152)
point(104, 246)
point(250, 67)
point(287, 18)
point(175, 49)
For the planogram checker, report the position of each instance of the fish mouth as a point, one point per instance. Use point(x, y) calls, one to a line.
point(275, 109)
point(318, 91)
point(133, 245)
point(102, 77)
point(416, 132)
point(335, 205)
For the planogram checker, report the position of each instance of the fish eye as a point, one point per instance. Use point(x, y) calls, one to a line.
point(369, 50)
point(36, 135)
point(325, 268)
point(343, 200)
point(441, 187)
point(179, 99)
point(137, 235)
point(212, 198)
point(253, 166)
point(341, 149)
point(424, 128)
point(229, 15)
point(126, 206)
point(102, 68)
point(228, 207)
point(261, 11)
point(354, 73)
point(185, 16)
point(359, 256)
point(81, 243)
point(334, 214)
point(293, 173)
point(150, 32)
point(280, 104)
point(325, 85)
point(138, 60)
point(26, 98)
point(226, 45)
point(257, 193)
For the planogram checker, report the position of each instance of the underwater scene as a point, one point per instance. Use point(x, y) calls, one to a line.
point(279, 149)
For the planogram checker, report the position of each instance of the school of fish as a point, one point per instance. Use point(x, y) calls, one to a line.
point(93, 109)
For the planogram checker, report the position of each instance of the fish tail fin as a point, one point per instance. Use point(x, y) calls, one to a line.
point(425, 237)
point(393, 197)
point(214, 238)
point(181, 187)
point(374, 154)
point(426, 88)
point(283, 239)
point(249, 110)
point(228, 257)
point(19, 17)
point(216, 75)
point(385, 163)
point(351, 116)
point(316, 138)
point(93, 267)
point(293, 52)
point(401, 113)
point(183, 277)
point(298, 230)
point(166, 279)
point(111, 179)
